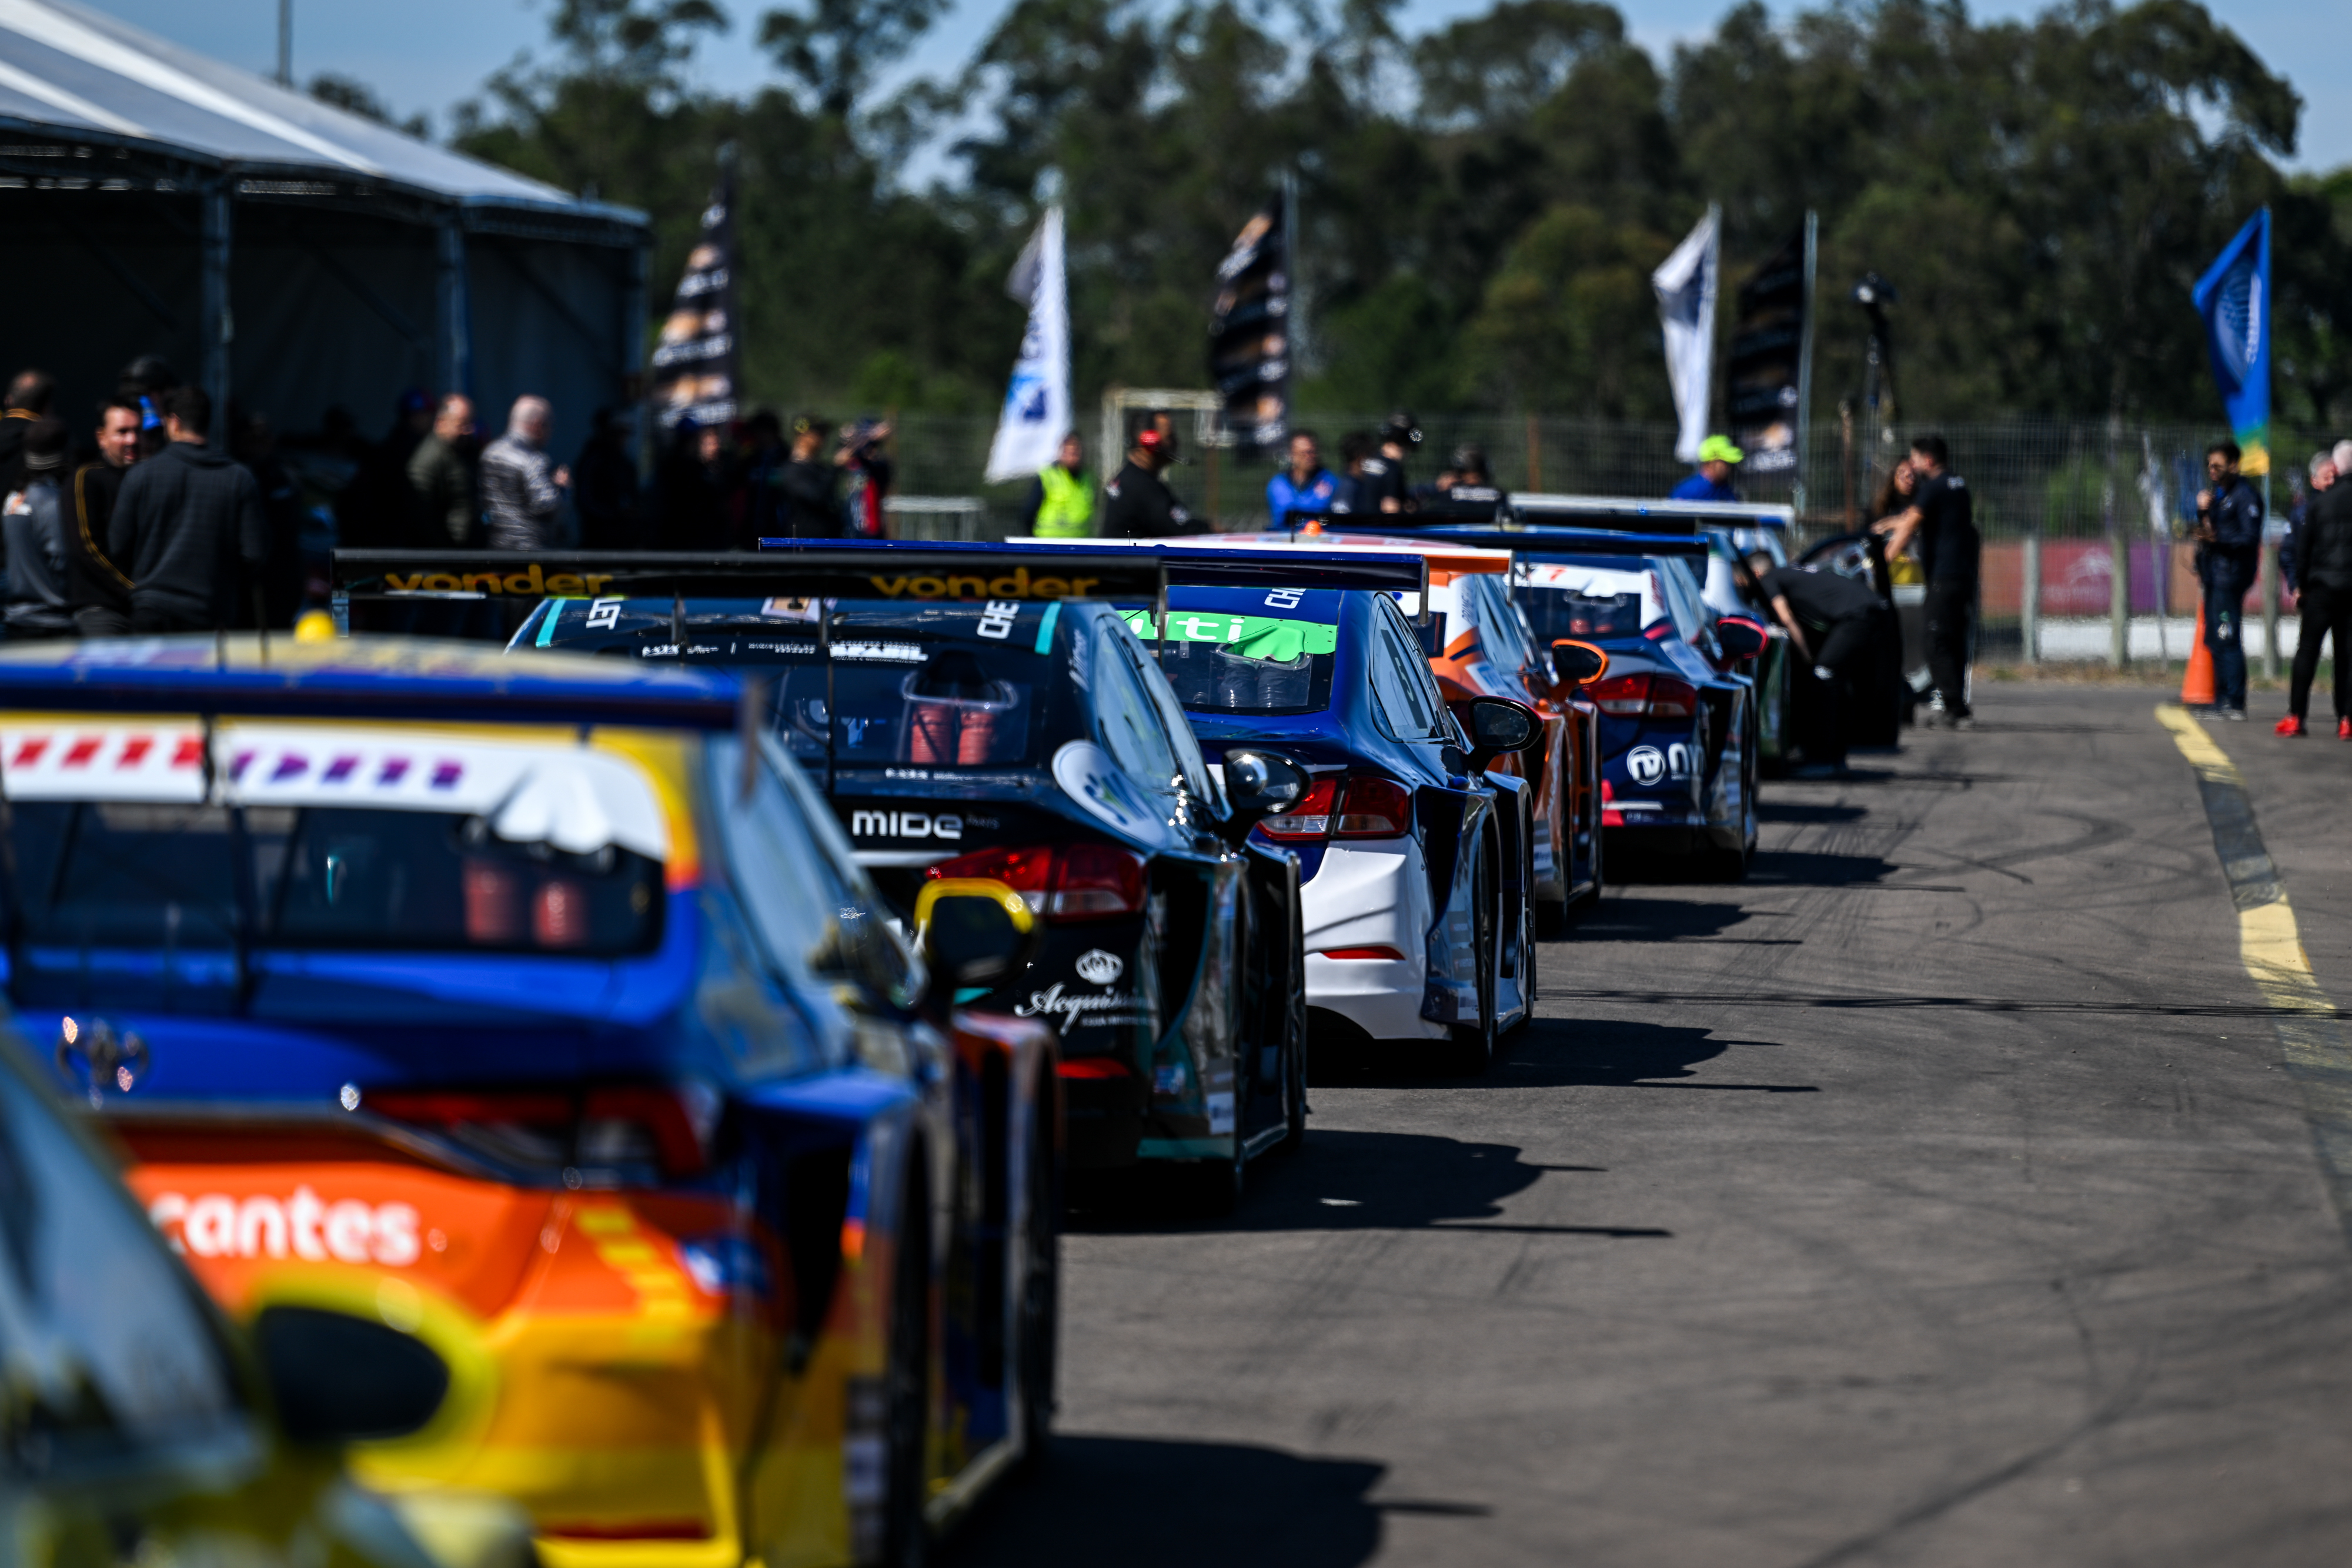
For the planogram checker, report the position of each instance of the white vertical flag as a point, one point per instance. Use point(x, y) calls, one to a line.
point(1037, 404)
point(1686, 284)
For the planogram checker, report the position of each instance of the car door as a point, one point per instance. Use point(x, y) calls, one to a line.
point(1195, 888)
point(1451, 815)
point(1268, 933)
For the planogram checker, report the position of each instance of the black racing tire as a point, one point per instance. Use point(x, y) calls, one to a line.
point(905, 1534)
point(1038, 1336)
point(1215, 1186)
point(1473, 1046)
point(1294, 1065)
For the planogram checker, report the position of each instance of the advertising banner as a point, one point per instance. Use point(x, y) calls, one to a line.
point(2234, 298)
point(1037, 403)
point(1249, 332)
point(1765, 371)
point(697, 367)
point(1686, 284)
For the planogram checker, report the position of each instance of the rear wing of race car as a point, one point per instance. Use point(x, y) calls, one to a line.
point(1541, 542)
point(1633, 514)
point(880, 570)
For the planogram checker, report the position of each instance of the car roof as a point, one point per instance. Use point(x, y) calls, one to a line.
point(356, 678)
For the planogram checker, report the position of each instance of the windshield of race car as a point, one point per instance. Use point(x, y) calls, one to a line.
point(940, 686)
point(186, 877)
point(1590, 600)
point(1249, 650)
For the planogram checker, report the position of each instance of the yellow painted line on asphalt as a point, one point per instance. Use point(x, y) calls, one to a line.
point(2311, 1032)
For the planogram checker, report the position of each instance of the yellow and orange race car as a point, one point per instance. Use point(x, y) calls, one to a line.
point(544, 1010)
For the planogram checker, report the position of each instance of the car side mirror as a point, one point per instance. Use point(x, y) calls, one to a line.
point(1741, 638)
point(1575, 663)
point(1258, 784)
point(1498, 726)
point(336, 1377)
point(975, 934)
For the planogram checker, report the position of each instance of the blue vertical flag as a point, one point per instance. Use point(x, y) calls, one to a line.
point(2235, 297)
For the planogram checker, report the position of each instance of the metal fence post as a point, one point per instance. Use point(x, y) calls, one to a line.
point(2118, 600)
point(2028, 602)
point(2266, 577)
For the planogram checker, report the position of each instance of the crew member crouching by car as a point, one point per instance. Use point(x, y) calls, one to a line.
point(1839, 629)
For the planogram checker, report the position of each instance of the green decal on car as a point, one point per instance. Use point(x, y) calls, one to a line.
point(1269, 637)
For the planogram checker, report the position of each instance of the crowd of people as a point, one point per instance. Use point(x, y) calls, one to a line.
point(142, 523)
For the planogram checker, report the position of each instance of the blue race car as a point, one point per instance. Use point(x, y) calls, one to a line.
point(546, 999)
point(1415, 861)
point(1679, 711)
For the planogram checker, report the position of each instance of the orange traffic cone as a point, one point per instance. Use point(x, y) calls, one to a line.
point(2196, 686)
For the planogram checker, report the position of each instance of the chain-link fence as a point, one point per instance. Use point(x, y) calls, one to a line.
point(2076, 485)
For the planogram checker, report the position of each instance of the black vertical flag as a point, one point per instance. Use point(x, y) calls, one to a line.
point(698, 363)
point(1249, 334)
point(1768, 340)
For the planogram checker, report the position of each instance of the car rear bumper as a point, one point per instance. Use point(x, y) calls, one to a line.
point(628, 1335)
point(1367, 898)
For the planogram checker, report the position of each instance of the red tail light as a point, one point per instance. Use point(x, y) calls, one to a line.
point(1067, 885)
point(1360, 807)
point(615, 1125)
point(1374, 809)
point(1654, 696)
point(1310, 819)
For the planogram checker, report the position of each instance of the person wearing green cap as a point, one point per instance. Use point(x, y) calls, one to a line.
point(1716, 459)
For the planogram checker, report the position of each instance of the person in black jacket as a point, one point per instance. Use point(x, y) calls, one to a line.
point(2321, 575)
point(2230, 527)
point(1838, 628)
point(1138, 503)
point(187, 527)
point(810, 486)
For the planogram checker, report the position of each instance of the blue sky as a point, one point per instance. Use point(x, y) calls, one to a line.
point(430, 54)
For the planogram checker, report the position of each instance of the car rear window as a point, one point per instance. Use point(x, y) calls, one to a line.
point(118, 873)
point(1253, 651)
point(940, 687)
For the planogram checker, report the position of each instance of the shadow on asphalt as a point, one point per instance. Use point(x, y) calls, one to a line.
point(1343, 1180)
point(1807, 811)
point(1142, 1503)
point(1623, 919)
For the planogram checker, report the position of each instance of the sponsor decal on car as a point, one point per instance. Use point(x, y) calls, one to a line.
point(1070, 1009)
point(1097, 968)
point(1087, 776)
point(904, 825)
point(302, 1225)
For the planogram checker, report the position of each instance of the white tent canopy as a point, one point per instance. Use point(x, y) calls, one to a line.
point(283, 253)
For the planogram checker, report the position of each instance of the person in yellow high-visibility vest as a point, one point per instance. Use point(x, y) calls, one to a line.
point(1062, 496)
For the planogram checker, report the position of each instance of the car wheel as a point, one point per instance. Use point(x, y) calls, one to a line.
point(1039, 1334)
point(906, 1537)
point(1475, 1044)
point(1216, 1185)
point(1293, 1072)
point(1551, 919)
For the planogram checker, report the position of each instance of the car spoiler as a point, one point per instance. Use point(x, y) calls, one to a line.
point(1538, 543)
point(878, 569)
point(1634, 514)
point(245, 675)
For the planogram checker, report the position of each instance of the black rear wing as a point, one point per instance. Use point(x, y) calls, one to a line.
point(877, 570)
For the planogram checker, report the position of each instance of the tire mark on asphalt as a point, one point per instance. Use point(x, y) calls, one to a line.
point(2311, 1027)
point(2116, 1407)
